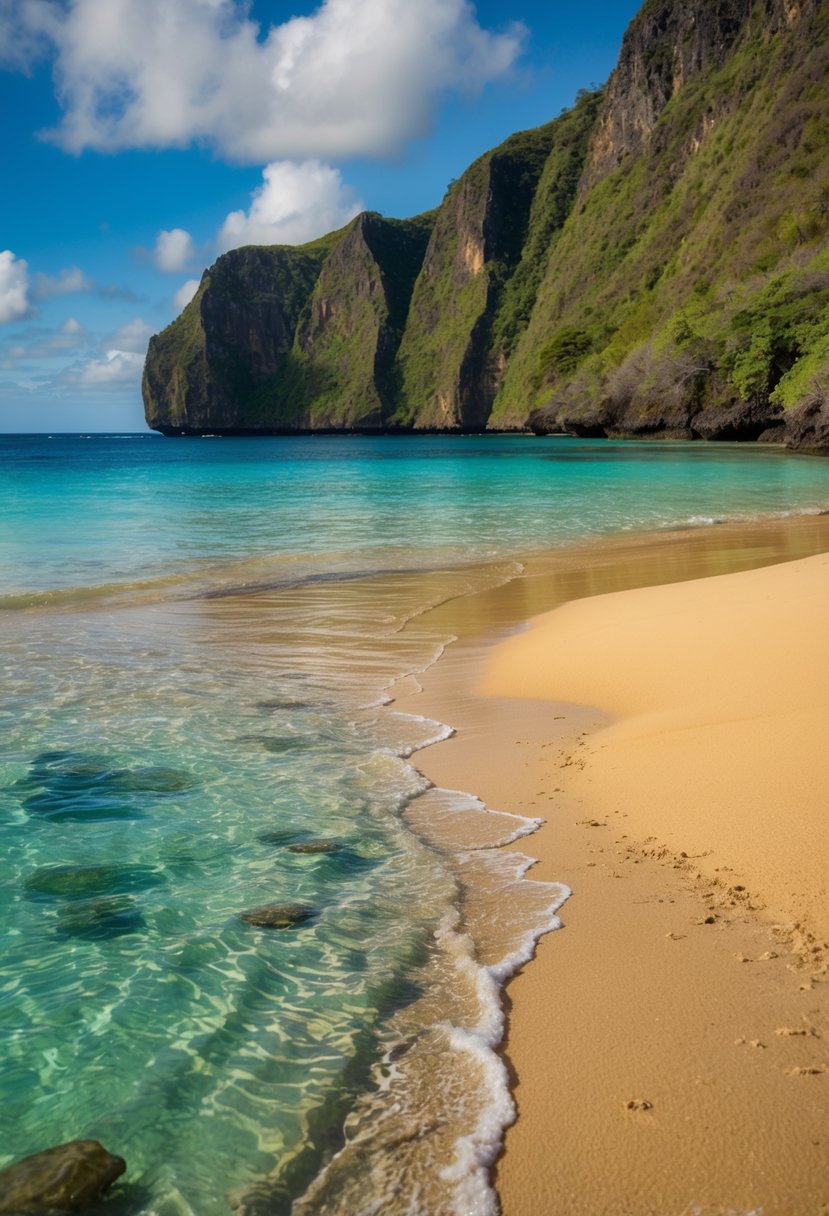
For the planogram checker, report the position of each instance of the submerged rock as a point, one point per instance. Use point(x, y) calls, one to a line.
point(278, 743)
point(68, 785)
point(313, 846)
point(87, 882)
point(64, 1179)
point(94, 919)
point(284, 703)
point(279, 837)
point(278, 916)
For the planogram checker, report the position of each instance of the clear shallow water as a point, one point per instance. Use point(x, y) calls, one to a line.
point(194, 652)
point(80, 515)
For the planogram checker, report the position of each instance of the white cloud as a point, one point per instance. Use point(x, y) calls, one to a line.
point(39, 343)
point(294, 204)
point(185, 293)
point(356, 78)
point(18, 42)
point(68, 282)
point(116, 359)
point(132, 337)
point(173, 250)
point(14, 287)
point(118, 366)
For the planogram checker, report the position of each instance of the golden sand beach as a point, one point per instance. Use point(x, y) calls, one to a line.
point(668, 1047)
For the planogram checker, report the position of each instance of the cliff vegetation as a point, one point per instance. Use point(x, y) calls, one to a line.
point(653, 263)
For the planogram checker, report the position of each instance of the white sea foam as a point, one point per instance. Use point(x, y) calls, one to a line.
point(476, 1150)
point(462, 803)
point(441, 732)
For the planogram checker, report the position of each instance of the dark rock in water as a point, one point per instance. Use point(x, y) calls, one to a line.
point(64, 1179)
point(83, 808)
point(278, 916)
point(278, 743)
point(292, 842)
point(87, 882)
point(151, 779)
point(284, 703)
point(69, 785)
point(277, 837)
point(313, 846)
point(97, 919)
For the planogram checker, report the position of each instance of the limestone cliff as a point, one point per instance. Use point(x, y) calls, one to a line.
point(651, 263)
point(450, 365)
point(341, 373)
point(204, 371)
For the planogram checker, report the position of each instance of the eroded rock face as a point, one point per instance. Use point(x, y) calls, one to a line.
point(807, 428)
point(62, 1180)
point(204, 371)
point(665, 46)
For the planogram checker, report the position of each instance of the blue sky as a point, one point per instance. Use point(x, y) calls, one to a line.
point(142, 138)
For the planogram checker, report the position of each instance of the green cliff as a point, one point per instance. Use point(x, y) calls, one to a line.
point(652, 262)
point(205, 371)
point(687, 294)
point(342, 369)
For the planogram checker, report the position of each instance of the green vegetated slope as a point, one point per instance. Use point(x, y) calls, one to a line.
point(652, 262)
point(688, 292)
point(341, 370)
point(482, 269)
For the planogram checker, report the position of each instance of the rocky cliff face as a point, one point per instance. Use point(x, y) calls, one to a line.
point(451, 362)
point(343, 362)
point(651, 263)
point(203, 372)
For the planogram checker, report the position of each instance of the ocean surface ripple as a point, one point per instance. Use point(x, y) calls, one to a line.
point(198, 643)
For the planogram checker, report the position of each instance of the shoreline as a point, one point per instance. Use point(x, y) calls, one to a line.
point(711, 1028)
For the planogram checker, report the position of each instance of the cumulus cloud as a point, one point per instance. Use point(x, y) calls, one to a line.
point(116, 359)
point(14, 287)
point(356, 78)
point(70, 281)
point(185, 293)
point(294, 204)
point(173, 250)
point(117, 367)
point(132, 336)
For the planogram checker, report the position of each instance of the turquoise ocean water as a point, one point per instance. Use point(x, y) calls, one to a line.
point(198, 639)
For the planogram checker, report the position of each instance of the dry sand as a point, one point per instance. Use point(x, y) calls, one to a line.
point(669, 1045)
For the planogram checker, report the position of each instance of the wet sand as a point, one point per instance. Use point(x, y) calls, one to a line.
point(668, 1045)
